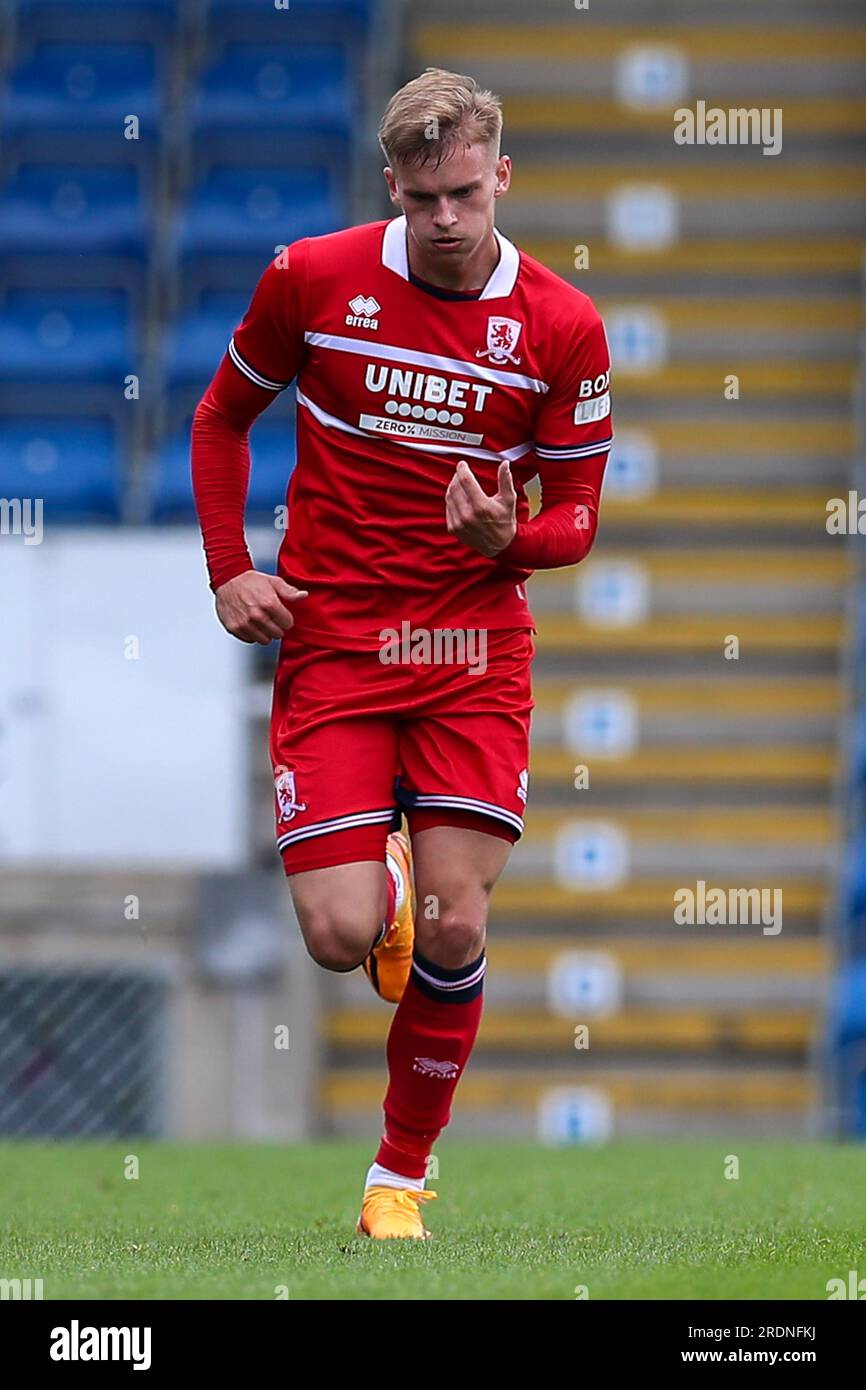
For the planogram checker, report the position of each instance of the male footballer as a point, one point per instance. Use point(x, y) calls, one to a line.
point(439, 369)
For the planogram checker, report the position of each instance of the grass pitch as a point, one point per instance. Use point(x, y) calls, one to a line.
point(513, 1221)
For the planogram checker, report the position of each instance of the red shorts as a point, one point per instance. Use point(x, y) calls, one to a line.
point(355, 743)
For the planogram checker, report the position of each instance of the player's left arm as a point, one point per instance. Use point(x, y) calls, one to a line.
point(573, 435)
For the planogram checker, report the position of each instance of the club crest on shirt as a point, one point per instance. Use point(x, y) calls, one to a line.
point(284, 786)
point(502, 336)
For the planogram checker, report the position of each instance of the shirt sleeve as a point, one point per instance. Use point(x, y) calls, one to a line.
point(572, 438)
point(574, 421)
point(268, 345)
point(263, 357)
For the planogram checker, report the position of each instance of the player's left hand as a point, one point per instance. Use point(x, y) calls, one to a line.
point(485, 523)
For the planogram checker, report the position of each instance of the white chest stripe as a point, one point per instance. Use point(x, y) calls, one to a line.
point(335, 423)
point(362, 348)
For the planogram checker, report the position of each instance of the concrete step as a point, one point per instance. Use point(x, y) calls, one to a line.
point(655, 774)
point(726, 196)
point(647, 1098)
point(712, 582)
point(666, 973)
point(769, 512)
point(695, 633)
point(823, 265)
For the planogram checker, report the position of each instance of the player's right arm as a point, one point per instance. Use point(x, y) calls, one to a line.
point(262, 359)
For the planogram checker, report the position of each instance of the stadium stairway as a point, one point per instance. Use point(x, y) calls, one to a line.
point(688, 675)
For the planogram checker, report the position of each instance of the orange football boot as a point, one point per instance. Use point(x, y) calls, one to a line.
point(389, 1213)
point(388, 964)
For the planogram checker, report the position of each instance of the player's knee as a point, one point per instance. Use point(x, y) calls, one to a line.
point(335, 942)
point(455, 939)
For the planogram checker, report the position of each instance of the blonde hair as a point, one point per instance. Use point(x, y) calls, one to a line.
point(436, 114)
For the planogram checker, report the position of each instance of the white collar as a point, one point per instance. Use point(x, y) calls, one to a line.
point(395, 257)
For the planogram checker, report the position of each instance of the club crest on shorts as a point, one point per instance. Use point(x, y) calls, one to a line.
point(502, 336)
point(287, 803)
point(524, 785)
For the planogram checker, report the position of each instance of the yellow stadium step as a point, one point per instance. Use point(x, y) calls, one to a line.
point(702, 633)
point(764, 258)
point(697, 181)
point(686, 1089)
point(635, 902)
point(765, 313)
point(636, 1029)
point(762, 569)
point(754, 508)
point(556, 113)
point(749, 764)
point(811, 825)
point(829, 381)
point(461, 43)
point(763, 436)
point(669, 957)
point(712, 699)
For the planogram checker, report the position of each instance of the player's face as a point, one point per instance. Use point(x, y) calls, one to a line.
point(450, 209)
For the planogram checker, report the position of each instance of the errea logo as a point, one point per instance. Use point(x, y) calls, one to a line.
point(363, 308)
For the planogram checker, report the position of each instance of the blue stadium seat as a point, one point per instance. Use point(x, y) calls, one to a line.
point(846, 1033)
point(272, 451)
point(196, 341)
point(85, 210)
point(857, 763)
point(326, 11)
point(71, 463)
point(80, 19)
point(252, 20)
point(854, 887)
point(301, 89)
point(48, 336)
point(249, 212)
point(81, 87)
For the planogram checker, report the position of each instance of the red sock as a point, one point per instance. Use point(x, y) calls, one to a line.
point(431, 1037)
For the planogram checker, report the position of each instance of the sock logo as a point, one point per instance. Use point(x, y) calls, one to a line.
point(428, 1066)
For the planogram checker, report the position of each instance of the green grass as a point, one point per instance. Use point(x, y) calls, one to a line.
point(513, 1221)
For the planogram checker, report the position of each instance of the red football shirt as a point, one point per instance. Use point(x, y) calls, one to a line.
point(395, 384)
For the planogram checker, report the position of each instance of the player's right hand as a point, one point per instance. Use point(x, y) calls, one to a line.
point(253, 606)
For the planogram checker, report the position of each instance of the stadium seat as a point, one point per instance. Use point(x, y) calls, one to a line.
point(857, 760)
point(249, 212)
point(272, 452)
point(71, 463)
point(275, 91)
point(50, 336)
point(75, 88)
point(853, 888)
point(87, 211)
point(847, 1035)
point(250, 19)
point(198, 338)
point(325, 11)
point(78, 19)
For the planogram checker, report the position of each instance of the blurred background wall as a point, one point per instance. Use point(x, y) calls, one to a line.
point(700, 694)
